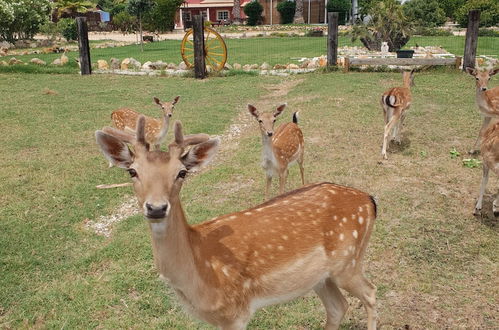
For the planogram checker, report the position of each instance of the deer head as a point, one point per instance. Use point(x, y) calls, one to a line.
point(482, 77)
point(167, 107)
point(266, 120)
point(157, 175)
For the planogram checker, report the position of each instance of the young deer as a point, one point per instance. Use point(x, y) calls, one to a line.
point(156, 129)
point(280, 149)
point(223, 270)
point(489, 148)
point(486, 99)
point(395, 102)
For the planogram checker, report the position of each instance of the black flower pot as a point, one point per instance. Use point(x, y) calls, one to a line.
point(405, 53)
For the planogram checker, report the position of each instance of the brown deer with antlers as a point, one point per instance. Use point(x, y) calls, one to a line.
point(223, 270)
point(156, 129)
point(280, 148)
point(486, 99)
point(395, 102)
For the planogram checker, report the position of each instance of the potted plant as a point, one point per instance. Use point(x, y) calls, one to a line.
point(405, 53)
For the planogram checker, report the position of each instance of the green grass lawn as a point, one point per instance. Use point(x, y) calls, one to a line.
point(435, 265)
point(248, 51)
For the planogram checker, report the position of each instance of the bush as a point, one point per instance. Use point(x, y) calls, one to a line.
point(287, 10)
point(427, 13)
point(254, 12)
point(489, 12)
point(21, 19)
point(450, 7)
point(68, 28)
point(125, 22)
point(340, 6)
point(162, 16)
point(488, 33)
point(432, 32)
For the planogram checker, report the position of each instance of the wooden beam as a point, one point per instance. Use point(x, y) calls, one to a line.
point(332, 39)
point(83, 45)
point(199, 52)
point(402, 61)
point(471, 39)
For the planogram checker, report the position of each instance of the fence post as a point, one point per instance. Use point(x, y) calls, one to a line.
point(471, 39)
point(199, 53)
point(332, 38)
point(83, 45)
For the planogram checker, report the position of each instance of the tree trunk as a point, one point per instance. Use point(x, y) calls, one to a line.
point(298, 19)
point(140, 32)
point(236, 12)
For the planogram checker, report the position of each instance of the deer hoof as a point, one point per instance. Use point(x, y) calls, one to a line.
point(477, 212)
point(474, 152)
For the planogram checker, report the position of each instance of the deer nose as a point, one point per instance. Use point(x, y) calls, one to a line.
point(484, 89)
point(169, 115)
point(270, 133)
point(156, 211)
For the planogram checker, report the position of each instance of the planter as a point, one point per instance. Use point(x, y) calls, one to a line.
point(405, 53)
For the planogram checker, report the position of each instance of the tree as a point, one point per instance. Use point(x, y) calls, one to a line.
point(287, 11)
point(138, 8)
point(71, 8)
point(298, 19)
point(125, 22)
point(162, 16)
point(489, 12)
point(21, 19)
point(451, 6)
point(427, 13)
point(236, 12)
point(254, 11)
point(388, 23)
point(340, 6)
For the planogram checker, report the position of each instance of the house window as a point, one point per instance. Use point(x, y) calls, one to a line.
point(186, 16)
point(222, 15)
point(203, 13)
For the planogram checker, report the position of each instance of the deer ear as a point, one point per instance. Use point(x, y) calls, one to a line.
point(200, 155)
point(279, 109)
point(175, 100)
point(156, 100)
point(471, 71)
point(493, 71)
point(115, 150)
point(253, 111)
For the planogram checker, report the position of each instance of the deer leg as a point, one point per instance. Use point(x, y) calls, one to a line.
point(268, 182)
point(360, 287)
point(336, 305)
point(388, 128)
point(398, 129)
point(485, 124)
point(495, 206)
point(239, 324)
point(302, 172)
point(483, 185)
point(283, 175)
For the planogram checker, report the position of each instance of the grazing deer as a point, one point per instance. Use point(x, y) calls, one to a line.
point(395, 102)
point(486, 99)
point(489, 148)
point(156, 129)
point(280, 149)
point(223, 270)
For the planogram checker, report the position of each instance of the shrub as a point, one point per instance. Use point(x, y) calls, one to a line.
point(388, 23)
point(450, 7)
point(489, 12)
point(125, 22)
point(432, 32)
point(68, 29)
point(342, 7)
point(287, 10)
point(254, 12)
point(162, 16)
point(427, 13)
point(488, 33)
point(21, 19)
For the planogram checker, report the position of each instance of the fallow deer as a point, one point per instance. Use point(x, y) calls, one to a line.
point(486, 99)
point(489, 148)
point(280, 148)
point(395, 102)
point(223, 270)
point(156, 129)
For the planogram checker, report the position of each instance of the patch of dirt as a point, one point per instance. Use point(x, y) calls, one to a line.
point(103, 225)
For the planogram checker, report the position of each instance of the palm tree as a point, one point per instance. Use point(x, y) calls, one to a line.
point(298, 19)
point(70, 8)
point(236, 12)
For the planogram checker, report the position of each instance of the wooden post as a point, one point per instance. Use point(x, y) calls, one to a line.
point(85, 64)
point(471, 39)
point(332, 39)
point(199, 53)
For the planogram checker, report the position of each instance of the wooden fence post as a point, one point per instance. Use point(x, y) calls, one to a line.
point(85, 64)
point(332, 39)
point(471, 39)
point(199, 53)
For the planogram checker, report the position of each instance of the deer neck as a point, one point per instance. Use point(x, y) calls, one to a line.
point(164, 129)
point(268, 157)
point(172, 248)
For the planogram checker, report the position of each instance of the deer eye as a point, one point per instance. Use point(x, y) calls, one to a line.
point(182, 174)
point(476, 78)
point(274, 120)
point(260, 121)
point(132, 172)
